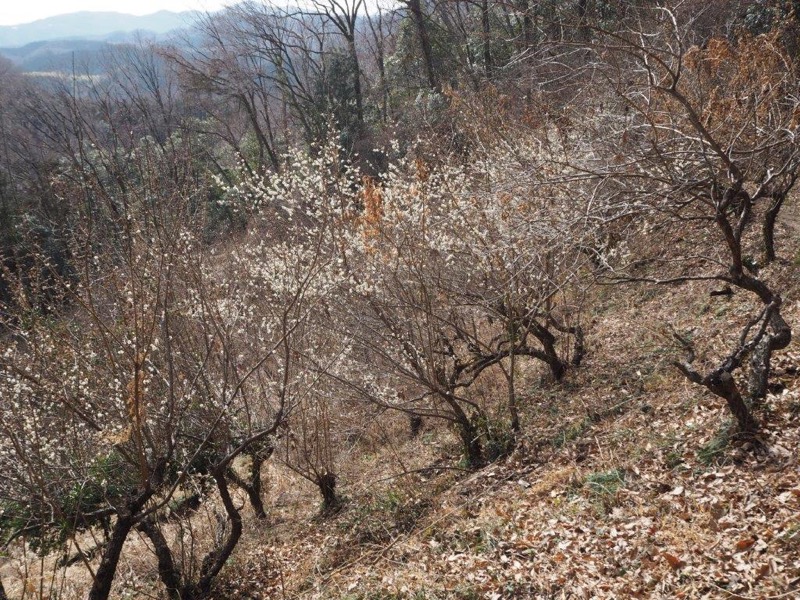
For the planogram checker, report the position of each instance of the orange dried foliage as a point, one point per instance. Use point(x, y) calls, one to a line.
point(136, 405)
point(423, 170)
point(372, 217)
point(373, 201)
point(136, 401)
point(738, 87)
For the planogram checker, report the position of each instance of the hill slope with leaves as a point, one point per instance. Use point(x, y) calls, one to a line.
point(629, 482)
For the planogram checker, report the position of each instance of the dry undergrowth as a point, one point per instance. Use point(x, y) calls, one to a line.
point(626, 483)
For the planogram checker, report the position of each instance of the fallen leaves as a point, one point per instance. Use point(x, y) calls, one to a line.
point(742, 545)
point(674, 561)
point(691, 530)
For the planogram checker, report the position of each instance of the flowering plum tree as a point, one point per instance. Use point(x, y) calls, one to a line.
point(455, 271)
point(137, 399)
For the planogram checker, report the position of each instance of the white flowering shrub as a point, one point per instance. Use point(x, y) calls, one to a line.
point(437, 275)
point(174, 358)
point(290, 268)
point(168, 362)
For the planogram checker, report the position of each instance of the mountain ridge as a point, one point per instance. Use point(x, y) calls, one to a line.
point(92, 26)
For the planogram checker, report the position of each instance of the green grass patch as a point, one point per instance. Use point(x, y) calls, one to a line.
point(605, 483)
point(715, 449)
point(571, 432)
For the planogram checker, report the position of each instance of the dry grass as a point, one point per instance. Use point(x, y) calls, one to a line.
point(624, 484)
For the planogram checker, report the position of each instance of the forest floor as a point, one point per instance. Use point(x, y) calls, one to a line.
point(626, 483)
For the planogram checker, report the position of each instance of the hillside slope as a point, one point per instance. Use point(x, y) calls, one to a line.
point(627, 483)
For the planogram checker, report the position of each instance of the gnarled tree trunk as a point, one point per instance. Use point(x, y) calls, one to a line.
point(104, 577)
point(167, 572)
point(327, 487)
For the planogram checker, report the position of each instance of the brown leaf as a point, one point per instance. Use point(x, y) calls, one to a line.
point(674, 561)
point(745, 544)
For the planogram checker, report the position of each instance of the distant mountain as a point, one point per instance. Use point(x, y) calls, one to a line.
point(85, 56)
point(93, 26)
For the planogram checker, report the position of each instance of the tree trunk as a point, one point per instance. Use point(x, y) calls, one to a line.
point(104, 577)
point(415, 424)
point(579, 345)
point(724, 385)
point(583, 25)
point(169, 575)
point(383, 85)
point(252, 486)
point(263, 143)
point(579, 349)
point(351, 44)
point(178, 588)
point(254, 489)
point(761, 357)
point(467, 431)
point(415, 8)
point(380, 61)
point(512, 393)
point(471, 440)
point(558, 367)
point(760, 361)
point(768, 227)
point(487, 38)
point(327, 487)
point(215, 560)
point(527, 24)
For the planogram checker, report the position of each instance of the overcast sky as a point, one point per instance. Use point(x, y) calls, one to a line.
point(14, 12)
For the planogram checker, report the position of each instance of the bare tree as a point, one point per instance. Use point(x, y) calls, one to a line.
point(344, 15)
point(706, 154)
point(381, 24)
point(418, 17)
point(223, 66)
